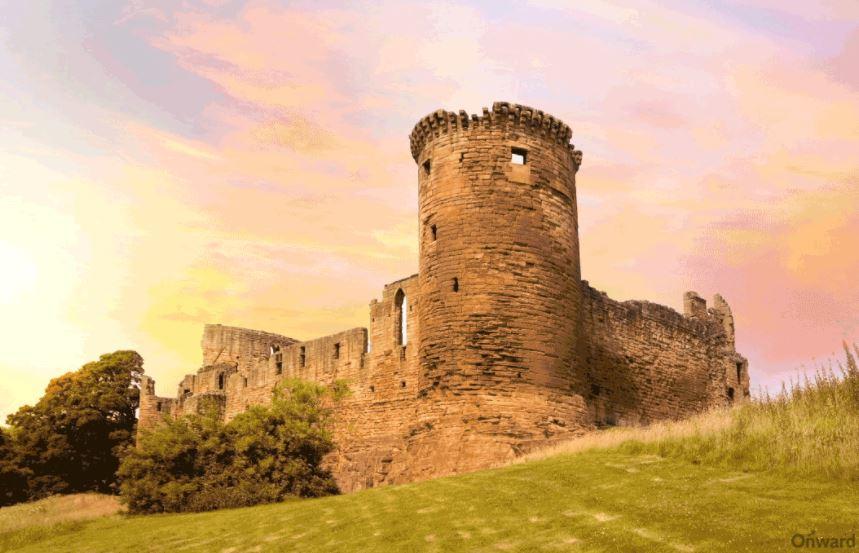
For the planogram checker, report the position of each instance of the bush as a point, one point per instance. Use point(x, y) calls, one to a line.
point(266, 454)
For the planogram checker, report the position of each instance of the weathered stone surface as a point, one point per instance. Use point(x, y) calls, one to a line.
point(505, 348)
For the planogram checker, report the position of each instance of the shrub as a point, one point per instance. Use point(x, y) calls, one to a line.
point(266, 454)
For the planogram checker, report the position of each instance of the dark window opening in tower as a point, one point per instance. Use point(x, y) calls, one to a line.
point(158, 406)
point(221, 381)
point(337, 350)
point(274, 349)
point(279, 367)
point(731, 394)
point(739, 372)
point(427, 167)
point(245, 381)
point(400, 317)
point(301, 357)
point(455, 284)
point(519, 156)
point(461, 157)
point(434, 230)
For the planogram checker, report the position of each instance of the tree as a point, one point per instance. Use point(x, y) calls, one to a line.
point(13, 480)
point(71, 440)
point(266, 454)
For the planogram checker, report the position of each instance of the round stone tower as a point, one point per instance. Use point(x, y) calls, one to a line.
point(500, 282)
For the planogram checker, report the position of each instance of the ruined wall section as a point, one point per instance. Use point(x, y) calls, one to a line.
point(394, 361)
point(647, 362)
point(241, 346)
point(152, 408)
point(339, 356)
point(243, 366)
point(377, 424)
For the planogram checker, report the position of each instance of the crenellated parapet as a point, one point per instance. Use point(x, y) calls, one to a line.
point(503, 115)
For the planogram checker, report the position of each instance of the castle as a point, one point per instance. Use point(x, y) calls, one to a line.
point(496, 346)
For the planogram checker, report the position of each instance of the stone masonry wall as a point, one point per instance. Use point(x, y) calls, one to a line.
point(647, 362)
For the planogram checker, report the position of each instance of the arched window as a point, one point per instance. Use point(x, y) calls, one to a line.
point(401, 317)
point(221, 381)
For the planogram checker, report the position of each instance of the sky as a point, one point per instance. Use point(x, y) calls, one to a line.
point(168, 164)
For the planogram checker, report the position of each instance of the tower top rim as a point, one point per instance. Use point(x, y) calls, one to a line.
point(502, 114)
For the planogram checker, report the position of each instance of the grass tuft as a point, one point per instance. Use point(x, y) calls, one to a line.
point(27, 523)
point(811, 428)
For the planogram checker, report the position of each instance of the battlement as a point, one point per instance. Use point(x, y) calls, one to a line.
point(503, 114)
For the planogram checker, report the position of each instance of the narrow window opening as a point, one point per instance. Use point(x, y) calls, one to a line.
point(427, 167)
point(245, 381)
point(301, 357)
point(402, 384)
point(279, 367)
point(739, 372)
point(401, 318)
point(519, 156)
point(456, 284)
point(337, 350)
point(461, 157)
point(221, 381)
point(434, 231)
point(274, 349)
point(372, 388)
point(158, 406)
point(731, 394)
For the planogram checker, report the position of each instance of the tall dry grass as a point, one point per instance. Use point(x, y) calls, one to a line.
point(58, 509)
point(25, 523)
point(810, 428)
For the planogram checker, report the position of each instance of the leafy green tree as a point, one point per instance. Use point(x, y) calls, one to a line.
point(13, 480)
point(71, 440)
point(266, 454)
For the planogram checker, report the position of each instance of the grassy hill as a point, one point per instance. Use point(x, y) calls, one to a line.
point(592, 500)
point(749, 479)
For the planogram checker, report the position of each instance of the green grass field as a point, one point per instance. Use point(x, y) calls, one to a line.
point(594, 500)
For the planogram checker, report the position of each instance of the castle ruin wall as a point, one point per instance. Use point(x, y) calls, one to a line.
point(496, 347)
